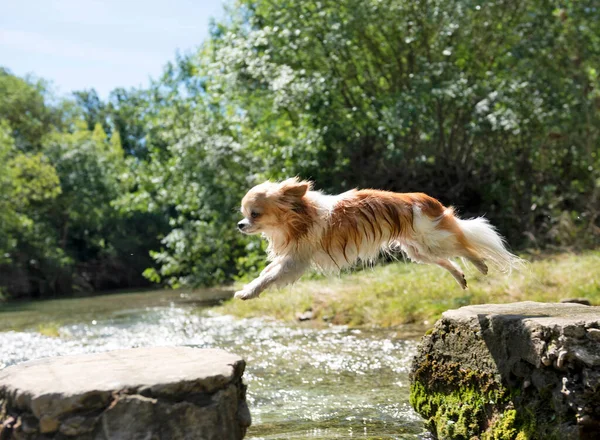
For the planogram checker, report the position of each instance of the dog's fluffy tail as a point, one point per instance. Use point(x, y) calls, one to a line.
point(484, 239)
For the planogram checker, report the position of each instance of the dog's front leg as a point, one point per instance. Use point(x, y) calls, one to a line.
point(279, 273)
point(269, 267)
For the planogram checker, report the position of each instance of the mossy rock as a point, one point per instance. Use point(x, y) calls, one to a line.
point(514, 371)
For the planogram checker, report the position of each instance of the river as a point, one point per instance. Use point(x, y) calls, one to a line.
point(303, 382)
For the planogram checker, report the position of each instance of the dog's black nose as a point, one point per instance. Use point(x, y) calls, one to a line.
point(241, 225)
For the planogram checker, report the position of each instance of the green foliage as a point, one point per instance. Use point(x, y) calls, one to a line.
point(493, 107)
point(88, 172)
point(34, 180)
point(60, 228)
point(92, 109)
point(26, 181)
point(206, 174)
point(22, 105)
point(489, 107)
point(475, 104)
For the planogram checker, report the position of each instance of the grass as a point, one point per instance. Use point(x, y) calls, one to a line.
point(51, 329)
point(404, 293)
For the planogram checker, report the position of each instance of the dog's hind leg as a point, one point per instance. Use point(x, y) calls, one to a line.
point(415, 255)
point(465, 251)
point(451, 267)
point(479, 264)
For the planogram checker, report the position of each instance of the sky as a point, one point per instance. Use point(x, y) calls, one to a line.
point(100, 44)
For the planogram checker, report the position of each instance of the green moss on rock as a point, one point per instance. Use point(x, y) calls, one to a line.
point(455, 402)
point(491, 372)
point(459, 403)
point(465, 413)
point(505, 428)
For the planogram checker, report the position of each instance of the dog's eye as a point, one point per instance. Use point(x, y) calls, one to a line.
point(254, 214)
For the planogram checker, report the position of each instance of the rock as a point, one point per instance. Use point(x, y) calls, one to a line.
point(145, 393)
point(511, 371)
point(305, 316)
point(594, 334)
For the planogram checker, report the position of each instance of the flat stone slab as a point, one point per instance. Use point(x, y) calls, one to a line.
point(162, 393)
point(545, 314)
point(507, 369)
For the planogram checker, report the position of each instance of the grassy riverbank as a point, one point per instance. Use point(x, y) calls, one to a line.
point(401, 293)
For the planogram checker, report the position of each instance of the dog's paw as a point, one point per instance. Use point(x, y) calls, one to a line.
point(245, 294)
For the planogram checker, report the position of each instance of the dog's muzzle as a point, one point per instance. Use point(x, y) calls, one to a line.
point(243, 224)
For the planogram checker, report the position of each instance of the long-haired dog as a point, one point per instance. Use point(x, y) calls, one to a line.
point(308, 228)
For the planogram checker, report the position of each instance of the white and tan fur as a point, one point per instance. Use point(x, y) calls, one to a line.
point(307, 228)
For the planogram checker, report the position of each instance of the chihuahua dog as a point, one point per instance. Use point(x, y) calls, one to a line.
point(308, 228)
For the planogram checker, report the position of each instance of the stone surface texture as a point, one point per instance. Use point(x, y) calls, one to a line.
point(144, 393)
point(524, 370)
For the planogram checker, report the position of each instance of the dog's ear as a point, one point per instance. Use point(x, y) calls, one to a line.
point(295, 187)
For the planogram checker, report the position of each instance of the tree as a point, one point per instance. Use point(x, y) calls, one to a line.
point(492, 107)
point(93, 110)
point(22, 105)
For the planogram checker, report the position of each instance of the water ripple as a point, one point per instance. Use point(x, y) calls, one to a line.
point(302, 383)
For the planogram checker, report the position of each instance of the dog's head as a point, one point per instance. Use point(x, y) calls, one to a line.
point(273, 206)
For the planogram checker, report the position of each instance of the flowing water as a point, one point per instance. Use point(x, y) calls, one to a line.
point(303, 383)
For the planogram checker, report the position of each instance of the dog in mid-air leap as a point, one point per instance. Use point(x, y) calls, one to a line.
point(308, 228)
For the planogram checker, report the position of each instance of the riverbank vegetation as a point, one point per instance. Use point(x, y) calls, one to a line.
point(492, 107)
point(399, 293)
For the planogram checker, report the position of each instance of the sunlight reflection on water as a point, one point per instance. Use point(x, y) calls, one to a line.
point(303, 383)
